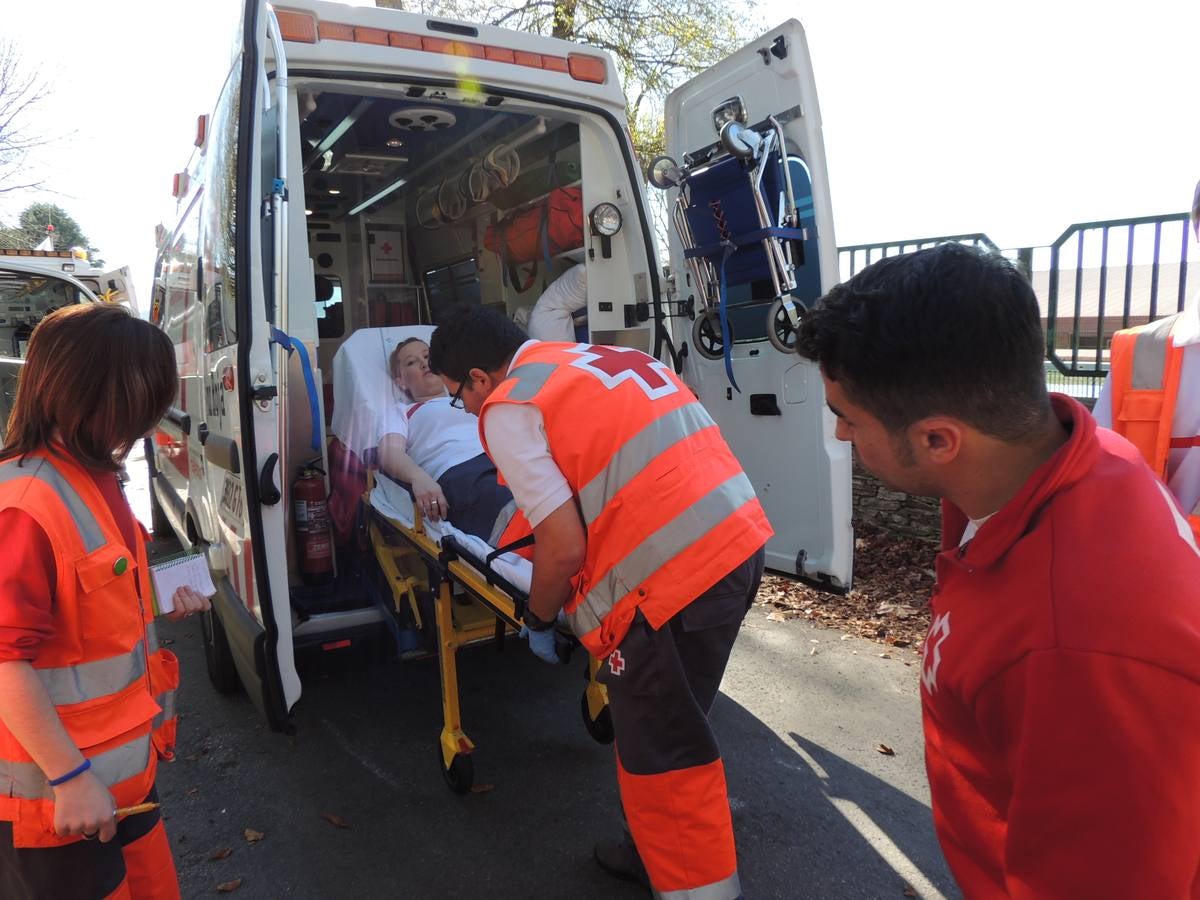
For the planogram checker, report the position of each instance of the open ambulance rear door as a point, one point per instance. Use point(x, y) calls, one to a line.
point(117, 287)
point(259, 623)
point(778, 425)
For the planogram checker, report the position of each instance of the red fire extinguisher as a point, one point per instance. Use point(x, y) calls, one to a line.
point(313, 534)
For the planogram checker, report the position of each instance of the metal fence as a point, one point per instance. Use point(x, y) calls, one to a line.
point(1095, 279)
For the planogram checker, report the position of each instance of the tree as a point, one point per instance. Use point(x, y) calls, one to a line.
point(657, 44)
point(31, 230)
point(20, 91)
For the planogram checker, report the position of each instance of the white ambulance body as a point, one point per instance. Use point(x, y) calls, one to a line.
point(31, 287)
point(109, 285)
point(320, 201)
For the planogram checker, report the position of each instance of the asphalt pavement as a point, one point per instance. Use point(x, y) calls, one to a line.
point(353, 804)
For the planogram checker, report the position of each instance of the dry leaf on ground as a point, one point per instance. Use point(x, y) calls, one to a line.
point(223, 853)
point(228, 887)
point(889, 602)
point(335, 819)
point(482, 788)
point(885, 750)
point(253, 836)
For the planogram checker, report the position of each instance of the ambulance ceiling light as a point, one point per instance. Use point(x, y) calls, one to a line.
point(395, 185)
point(422, 118)
point(338, 130)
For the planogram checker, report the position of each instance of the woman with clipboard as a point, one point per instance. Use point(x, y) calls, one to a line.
point(86, 694)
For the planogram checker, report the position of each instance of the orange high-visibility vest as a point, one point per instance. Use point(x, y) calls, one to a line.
point(1145, 366)
point(111, 685)
point(667, 507)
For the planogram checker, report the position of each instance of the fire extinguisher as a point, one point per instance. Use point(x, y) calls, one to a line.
point(313, 533)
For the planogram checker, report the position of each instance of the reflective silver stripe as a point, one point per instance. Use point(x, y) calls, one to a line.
point(637, 453)
point(665, 544)
point(89, 681)
point(726, 889)
point(43, 469)
point(27, 781)
point(1150, 355)
point(531, 377)
point(167, 701)
point(151, 638)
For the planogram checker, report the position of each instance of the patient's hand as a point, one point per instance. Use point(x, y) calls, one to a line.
point(430, 499)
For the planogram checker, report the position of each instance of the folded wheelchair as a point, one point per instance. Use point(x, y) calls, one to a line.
point(736, 215)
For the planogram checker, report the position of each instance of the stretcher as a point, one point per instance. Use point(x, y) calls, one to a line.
point(479, 594)
point(435, 580)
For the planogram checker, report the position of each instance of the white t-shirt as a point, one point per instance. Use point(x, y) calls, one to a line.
point(516, 436)
point(551, 319)
point(437, 436)
point(1183, 465)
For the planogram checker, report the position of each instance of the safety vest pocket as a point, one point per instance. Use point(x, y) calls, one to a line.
point(108, 604)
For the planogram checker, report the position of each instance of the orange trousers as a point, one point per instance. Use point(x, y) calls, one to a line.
point(135, 865)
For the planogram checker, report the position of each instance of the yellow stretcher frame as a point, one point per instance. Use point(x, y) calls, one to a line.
point(492, 614)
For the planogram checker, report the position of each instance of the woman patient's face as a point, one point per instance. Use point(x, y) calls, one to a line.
point(413, 375)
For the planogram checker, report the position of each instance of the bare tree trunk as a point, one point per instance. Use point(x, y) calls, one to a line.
point(564, 19)
point(390, 4)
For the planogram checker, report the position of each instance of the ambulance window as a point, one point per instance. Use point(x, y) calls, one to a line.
point(220, 331)
point(454, 285)
point(331, 318)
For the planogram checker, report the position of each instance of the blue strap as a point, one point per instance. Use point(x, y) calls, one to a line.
point(750, 237)
point(290, 344)
point(723, 314)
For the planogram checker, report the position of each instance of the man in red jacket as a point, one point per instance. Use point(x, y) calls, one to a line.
point(1061, 675)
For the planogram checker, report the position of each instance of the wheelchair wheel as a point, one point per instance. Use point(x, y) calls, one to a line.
point(706, 335)
point(780, 331)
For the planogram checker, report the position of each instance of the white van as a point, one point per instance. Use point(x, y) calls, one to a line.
point(345, 182)
point(109, 285)
point(32, 285)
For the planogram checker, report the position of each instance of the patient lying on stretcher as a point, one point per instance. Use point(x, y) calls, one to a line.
point(434, 447)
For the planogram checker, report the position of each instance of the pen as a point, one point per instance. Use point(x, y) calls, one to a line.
point(134, 810)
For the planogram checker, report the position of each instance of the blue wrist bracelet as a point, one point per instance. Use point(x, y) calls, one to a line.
point(83, 767)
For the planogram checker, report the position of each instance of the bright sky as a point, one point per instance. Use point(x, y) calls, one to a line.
point(941, 116)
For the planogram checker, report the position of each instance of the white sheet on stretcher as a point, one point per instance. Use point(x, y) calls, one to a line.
point(391, 500)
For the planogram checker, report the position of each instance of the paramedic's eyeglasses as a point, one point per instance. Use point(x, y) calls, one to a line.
point(457, 401)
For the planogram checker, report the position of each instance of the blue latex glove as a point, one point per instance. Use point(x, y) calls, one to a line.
point(544, 644)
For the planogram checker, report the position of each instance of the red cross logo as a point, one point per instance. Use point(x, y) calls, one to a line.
point(616, 662)
point(613, 365)
point(387, 247)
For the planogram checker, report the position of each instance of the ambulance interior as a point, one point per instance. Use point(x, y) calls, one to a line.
point(403, 196)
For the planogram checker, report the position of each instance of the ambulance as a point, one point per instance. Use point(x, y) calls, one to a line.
point(109, 285)
point(32, 285)
point(356, 176)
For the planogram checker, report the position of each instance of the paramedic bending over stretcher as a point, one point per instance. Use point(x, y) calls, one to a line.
point(649, 535)
point(433, 445)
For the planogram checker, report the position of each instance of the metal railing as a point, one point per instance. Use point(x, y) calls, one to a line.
point(1096, 278)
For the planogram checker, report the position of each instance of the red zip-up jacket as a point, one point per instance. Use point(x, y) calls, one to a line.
point(1061, 684)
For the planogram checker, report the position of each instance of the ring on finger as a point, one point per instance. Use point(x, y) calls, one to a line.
point(89, 837)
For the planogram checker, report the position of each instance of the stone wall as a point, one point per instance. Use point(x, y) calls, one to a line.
point(875, 504)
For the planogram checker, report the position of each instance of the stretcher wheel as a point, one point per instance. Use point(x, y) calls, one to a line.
point(706, 335)
point(461, 774)
point(601, 727)
point(780, 331)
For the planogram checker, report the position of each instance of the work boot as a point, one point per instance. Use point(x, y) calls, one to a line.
point(619, 857)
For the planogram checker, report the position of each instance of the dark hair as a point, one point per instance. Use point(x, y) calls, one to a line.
point(949, 330)
point(99, 376)
point(473, 337)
